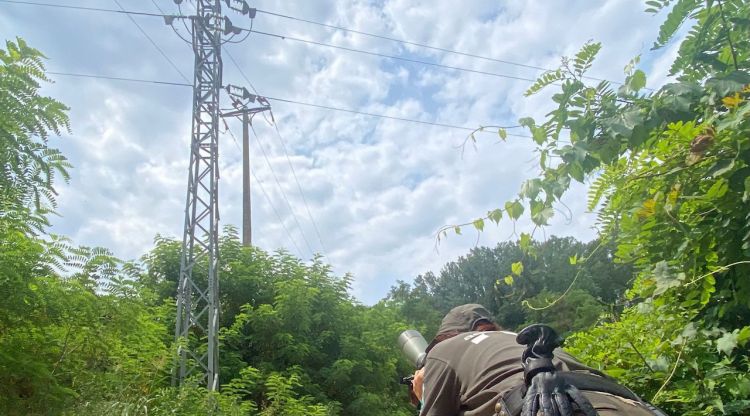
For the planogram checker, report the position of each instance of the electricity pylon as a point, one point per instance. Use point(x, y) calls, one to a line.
point(197, 321)
point(197, 301)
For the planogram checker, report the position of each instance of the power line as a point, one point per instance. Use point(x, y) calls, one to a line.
point(421, 45)
point(268, 199)
point(242, 73)
point(281, 189)
point(299, 187)
point(383, 55)
point(92, 9)
point(284, 100)
point(406, 42)
point(176, 68)
point(365, 113)
point(180, 16)
point(145, 81)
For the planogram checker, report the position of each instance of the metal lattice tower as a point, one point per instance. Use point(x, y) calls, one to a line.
point(198, 295)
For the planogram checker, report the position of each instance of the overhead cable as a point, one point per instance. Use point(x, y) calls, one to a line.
point(383, 55)
point(176, 68)
point(92, 9)
point(421, 45)
point(145, 81)
point(284, 100)
point(281, 189)
point(365, 113)
point(181, 16)
point(406, 42)
point(299, 187)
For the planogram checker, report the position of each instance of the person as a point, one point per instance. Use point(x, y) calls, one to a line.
point(475, 368)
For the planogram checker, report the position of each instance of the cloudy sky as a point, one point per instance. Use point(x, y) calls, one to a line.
point(377, 189)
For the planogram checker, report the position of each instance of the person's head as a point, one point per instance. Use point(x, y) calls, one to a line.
point(464, 318)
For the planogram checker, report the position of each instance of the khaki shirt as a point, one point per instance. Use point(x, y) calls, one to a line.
point(467, 374)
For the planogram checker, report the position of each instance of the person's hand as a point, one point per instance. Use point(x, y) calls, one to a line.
point(417, 383)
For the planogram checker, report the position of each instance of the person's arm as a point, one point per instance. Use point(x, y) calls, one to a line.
point(441, 392)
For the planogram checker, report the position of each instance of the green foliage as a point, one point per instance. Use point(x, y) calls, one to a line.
point(82, 332)
point(537, 270)
point(677, 16)
point(671, 186)
point(577, 310)
point(62, 338)
point(26, 120)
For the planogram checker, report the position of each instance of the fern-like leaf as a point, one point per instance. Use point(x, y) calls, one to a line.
point(680, 12)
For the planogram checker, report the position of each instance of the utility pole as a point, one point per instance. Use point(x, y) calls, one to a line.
point(247, 218)
point(240, 98)
point(197, 320)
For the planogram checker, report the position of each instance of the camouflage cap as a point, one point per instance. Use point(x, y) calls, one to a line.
point(463, 318)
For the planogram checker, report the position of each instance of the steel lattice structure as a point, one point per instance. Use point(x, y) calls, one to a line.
point(198, 294)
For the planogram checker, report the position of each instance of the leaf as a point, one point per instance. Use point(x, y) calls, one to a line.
point(664, 278)
point(633, 83)
point(718, 189)
point(530, 188)
point(541, 213)
point(573, 259)
point(648, 209)
point(502, 133)
point(585, 57)
point(721, 167)
point(728, 342)
point(457, 230)
point(689, 331)
point(544, 80)
point(479, 224)
point(624, 123)
point(732, 100)
point(744, 335)
point(514, 209)
point(516, 268)
point(525, 242)
point(728, 84)
point(675, 18)
point(508, 280)
point(576, 171)
point(527, 122)
point(539, 135)
point(495, 215)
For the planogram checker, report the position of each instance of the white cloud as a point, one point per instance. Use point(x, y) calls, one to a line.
point(377, 189)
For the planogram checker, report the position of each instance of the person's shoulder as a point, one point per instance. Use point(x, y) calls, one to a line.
point(461, 341)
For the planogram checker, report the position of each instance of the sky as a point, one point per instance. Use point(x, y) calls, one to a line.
point(377, 190)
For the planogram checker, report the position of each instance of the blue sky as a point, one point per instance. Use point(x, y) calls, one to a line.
point(377, 189)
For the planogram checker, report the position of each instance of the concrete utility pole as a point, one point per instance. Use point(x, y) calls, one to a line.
point(247, 218)
point(240, 98)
